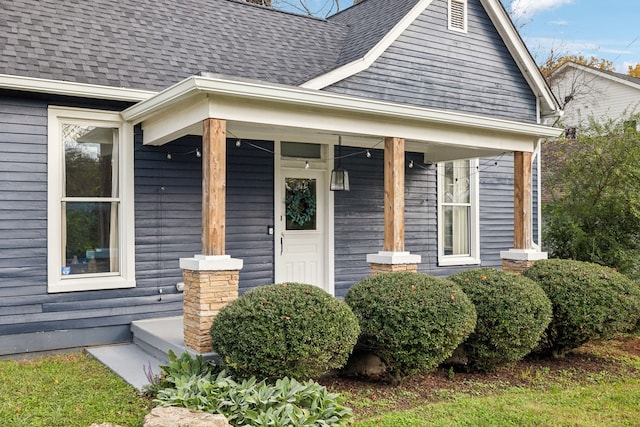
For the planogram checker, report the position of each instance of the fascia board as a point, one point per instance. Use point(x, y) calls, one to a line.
point(522, 56)
point(596, 73)
point(82, 90)
point(370, 57)
point(321, 102)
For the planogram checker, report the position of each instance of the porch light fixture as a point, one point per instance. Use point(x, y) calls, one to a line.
point(339, 176)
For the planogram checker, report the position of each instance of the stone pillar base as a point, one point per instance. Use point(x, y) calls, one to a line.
point(518, 260)
point(391, 268)
point(210, 283)
point(389, 262)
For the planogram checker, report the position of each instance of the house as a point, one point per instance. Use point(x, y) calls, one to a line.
point(586, 92)
point(146, 144)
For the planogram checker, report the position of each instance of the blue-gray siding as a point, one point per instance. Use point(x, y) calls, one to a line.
point(169, 210)
point(359, 215)
point(431, 66)
point(168, 226)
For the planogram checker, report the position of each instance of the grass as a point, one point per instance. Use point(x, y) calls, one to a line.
point(76, 390)
point(601, 389)
point(66, 390)
point(607, 404)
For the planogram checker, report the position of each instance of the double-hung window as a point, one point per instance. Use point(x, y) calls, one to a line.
point(90, 201)
point(458, 213)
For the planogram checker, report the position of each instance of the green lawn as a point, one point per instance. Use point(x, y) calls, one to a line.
point(68, 390)
point(614, 403)
point(76, 390)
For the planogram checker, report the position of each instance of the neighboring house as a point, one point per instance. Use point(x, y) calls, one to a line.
point(586, 92)
point(124, 124)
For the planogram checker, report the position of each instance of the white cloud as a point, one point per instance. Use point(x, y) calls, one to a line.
point(560, 23)
point(527, 8)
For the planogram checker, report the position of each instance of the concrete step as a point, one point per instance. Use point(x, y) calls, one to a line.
point(152, 340)
point(158, 336)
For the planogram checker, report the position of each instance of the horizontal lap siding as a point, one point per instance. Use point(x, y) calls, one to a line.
point(169, 211)
point(250, 211)
point(359, 215)
point(23, 201)
point(431, 66)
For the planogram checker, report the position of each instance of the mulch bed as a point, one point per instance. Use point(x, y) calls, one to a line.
point(577, 366)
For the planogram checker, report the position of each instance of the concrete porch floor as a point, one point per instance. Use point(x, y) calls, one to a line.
point(152, 340)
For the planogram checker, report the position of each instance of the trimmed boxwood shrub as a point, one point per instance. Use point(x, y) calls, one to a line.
point(284, 330)
point(412, 321)
point(513, 312)
point(589, 302)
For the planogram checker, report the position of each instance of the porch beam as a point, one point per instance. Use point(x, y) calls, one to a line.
point(522, 221)
point(214, 153)
point(393, 194)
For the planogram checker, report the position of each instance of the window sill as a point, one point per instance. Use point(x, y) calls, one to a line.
point(90, 284)
point(463, 260)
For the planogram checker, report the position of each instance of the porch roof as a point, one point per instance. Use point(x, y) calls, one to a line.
point(262, 110)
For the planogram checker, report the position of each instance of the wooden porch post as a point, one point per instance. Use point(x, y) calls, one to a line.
point(393, 257)
point(214, 184)
point(394, 194)
point(523, 254)
point(522, 201)
point(211, 278)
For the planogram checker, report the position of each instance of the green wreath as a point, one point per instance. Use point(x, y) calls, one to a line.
point(301, 205)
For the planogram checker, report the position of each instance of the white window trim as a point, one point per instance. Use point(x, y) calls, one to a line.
point(465, 16)
point(474, 199)
point(126, 277)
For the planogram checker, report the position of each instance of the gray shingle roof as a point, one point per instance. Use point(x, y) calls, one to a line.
point(151, 44)
point(368, 23)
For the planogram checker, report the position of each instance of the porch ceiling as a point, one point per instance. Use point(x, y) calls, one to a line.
point(254, 110)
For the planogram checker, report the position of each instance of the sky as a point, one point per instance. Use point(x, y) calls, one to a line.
point(605, 29)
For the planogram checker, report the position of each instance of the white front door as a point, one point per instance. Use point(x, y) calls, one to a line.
point(301, 229)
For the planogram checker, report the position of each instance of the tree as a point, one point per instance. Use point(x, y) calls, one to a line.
point(634, 71)
point(321, 8)
point(555, 61)
point(594, 214)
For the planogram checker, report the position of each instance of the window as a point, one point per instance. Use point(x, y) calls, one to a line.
point(458, 15)
point(90, 203)
point(458, 213)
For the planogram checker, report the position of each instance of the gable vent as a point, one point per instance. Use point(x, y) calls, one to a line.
point(458, 15)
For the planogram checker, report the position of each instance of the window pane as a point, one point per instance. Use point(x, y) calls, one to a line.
point(300, 150)
point(456, 182)
point(90, 159)
point(91, 238)
point(456, 230)
point(300, 203)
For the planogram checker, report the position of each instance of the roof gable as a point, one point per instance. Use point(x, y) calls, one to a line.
point(504, 27)
point(624, 79)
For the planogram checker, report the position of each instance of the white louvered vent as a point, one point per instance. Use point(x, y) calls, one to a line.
point(458, 15)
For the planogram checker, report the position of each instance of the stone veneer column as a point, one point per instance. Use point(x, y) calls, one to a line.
point(388, 262)
point(210, 283)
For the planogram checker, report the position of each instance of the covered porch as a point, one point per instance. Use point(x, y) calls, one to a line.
point(218, 109)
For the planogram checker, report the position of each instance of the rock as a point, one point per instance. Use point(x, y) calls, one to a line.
point(364, 364)
point(183, 417)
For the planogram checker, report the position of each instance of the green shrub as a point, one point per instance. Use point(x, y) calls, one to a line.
point(285, 403)
point(411, 321)
point(589, 302)
point(513, 312)
point(284, 330)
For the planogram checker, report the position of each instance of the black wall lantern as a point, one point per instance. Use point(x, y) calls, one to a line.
point(339, 176)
